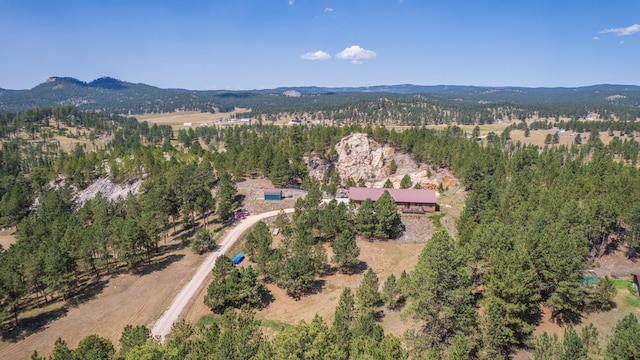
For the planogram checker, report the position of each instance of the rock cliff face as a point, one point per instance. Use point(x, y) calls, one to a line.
point(361, 157)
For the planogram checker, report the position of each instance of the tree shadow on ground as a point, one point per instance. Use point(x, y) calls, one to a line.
point(31, 325)
point(87, 291)
point(359, 268)
point(569, 317)
point(267, 299)
point(315, 288)
point(164, 249)
point(158, 265)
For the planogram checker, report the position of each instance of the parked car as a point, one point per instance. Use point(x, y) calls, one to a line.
point(241, 213)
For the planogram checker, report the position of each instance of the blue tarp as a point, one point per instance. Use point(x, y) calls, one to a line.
point(238, 258)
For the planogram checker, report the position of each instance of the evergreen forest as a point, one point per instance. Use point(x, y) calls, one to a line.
point(535, 218)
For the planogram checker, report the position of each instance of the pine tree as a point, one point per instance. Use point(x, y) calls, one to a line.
point(495, 335)
point(439, 291)
point(342, 321)
point(388, 224)
point(546, 347)
point(366, 219)
point(133, 336)
point(460, 348)
point(202, 241)
point(280, 173)
point(572, 347)
point(367, 294)
point(393, 167)
point(258, 237)
point(391, 292)
point(345, 252)
point(623, 343)
point(225, 197)
point(406, 182)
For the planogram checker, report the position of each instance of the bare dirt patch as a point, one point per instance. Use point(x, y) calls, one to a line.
point(7, 237)
point(616, 263)
point(252, 195)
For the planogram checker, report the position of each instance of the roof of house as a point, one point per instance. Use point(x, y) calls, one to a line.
point(273, 192)
point(398, 195)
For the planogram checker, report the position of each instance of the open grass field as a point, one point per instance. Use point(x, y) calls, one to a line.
point(178, 119)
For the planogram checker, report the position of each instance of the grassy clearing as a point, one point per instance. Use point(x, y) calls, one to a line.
point(207, 320)
point(436, 221)
point(484, 129)
point(275, 325)
point(631, 299)
point(196, 118)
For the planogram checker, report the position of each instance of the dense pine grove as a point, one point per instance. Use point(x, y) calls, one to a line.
point(534, 219)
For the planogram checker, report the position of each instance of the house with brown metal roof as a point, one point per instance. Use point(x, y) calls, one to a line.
point(415, 201)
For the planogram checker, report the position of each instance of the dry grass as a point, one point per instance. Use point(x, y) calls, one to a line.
point(537, 137)
point(385, 258)
point(178, 119)
point(111, 303)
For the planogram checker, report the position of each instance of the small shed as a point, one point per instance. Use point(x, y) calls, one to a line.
point(273, 194)
point(238, 258)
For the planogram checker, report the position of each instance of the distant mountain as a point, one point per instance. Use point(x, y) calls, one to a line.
point(113, 95)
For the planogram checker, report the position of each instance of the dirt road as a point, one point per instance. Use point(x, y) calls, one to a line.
point(162, 327)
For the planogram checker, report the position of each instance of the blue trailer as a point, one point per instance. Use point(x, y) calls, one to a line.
point(238, 258)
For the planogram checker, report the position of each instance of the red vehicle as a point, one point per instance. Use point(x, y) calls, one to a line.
point(241, 213)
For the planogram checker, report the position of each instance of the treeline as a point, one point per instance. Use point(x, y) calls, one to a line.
point(438, 292)
point(424, 109)
point(582, 126)
point(32, 120)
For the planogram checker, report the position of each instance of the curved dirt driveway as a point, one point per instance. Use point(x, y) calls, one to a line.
point(162, 327)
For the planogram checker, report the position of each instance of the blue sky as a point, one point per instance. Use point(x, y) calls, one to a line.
point(254, 44)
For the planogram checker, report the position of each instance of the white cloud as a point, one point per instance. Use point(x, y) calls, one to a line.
point(328, 10)
point(291, 2)
point(629, 30)
point(621, 42)
point(596, 38)
point(318, 55)
point(356, 53)
point(356, 62)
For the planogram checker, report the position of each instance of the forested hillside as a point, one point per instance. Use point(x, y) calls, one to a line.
point(379, 105)
point(535, 218)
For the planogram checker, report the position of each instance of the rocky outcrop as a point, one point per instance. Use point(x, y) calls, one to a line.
point(361, 157)
point(108, 189)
